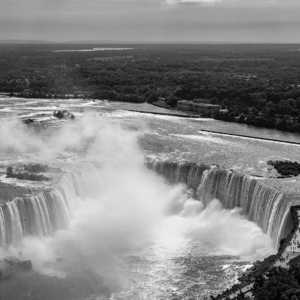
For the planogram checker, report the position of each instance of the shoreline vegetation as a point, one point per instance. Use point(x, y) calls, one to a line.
point(258, 85)
point(250, 137)
point(253, 117)
point(265, 280)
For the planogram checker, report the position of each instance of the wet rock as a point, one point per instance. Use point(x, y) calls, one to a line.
point(10, 266)
point(58, 260)
point(28, 121)
point(9, 171)
point(63, 114)
point(38, 168)
point(25, 175)
point(62, 264)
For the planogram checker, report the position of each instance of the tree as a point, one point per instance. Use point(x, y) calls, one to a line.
point(172, 101)
point(298, 103)
point(278, 284)
point(270, 105)
point(295, 113)
point(291, 102)
point(152, 98)
point(285, 108)
point(214, 100)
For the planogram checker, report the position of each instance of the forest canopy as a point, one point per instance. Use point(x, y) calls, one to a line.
point(257, 84)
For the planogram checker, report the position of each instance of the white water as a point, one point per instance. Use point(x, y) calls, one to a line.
point(95, 49)
point(122, 220)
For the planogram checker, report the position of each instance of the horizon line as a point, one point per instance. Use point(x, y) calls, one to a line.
point(36, 41)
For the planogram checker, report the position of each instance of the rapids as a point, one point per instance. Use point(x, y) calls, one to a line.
point(146, 230)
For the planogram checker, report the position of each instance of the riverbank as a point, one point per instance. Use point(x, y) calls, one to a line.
point(287, 255)
point(249, 137)
point(280, 122)
point(219, 183)
point(166, 114)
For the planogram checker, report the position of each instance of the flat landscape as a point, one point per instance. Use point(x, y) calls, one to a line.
point(99, 116)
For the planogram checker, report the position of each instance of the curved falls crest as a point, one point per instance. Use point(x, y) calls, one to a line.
point(262, 204)
point(47, 211)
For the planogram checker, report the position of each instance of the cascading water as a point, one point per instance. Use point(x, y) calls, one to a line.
point(41, 214)
point(46, 212)
point(144, 238)
point(263, 204)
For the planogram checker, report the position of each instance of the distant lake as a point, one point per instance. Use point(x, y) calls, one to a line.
point(94, 49)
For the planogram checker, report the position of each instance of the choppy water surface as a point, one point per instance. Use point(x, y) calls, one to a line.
point(95, 49)
point(192, 252)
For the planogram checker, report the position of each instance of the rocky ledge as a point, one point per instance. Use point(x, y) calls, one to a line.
point(28, 121)
point(63, 114)
point(10, 266)
point(25, 175)
point(31, 172)
point(286, 168)
point(9, 191)
point(38, 168)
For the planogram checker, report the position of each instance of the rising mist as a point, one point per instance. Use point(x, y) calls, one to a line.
point(123, 207)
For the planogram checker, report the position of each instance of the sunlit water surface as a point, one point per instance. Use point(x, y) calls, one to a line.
point(190, 254)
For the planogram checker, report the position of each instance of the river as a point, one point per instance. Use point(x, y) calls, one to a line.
point(144, 238)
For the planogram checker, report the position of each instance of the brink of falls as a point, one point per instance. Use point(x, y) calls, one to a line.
point(40, 214)
point(44, 213)
point(263, 204)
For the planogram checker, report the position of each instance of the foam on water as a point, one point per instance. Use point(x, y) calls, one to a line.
point(205, 137)
point(145, 237)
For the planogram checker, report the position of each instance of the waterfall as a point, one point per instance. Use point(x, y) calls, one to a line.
point(40, 214)
point(182, 172)
point(43, 213)
point(261, 203)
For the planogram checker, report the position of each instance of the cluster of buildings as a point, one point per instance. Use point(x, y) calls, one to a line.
point(200, 106)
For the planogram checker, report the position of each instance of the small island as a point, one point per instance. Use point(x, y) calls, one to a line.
point(286, 168)
point(30, 170)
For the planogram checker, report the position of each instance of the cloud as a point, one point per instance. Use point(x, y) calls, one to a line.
point(207, 2)
point(151, 20)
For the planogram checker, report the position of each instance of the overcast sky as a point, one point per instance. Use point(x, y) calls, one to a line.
point(152, 20)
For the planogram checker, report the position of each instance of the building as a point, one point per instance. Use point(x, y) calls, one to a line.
point(203, 101)
point(201, 108)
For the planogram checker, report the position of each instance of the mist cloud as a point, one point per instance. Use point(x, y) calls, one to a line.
point(88, 135)
point(125, 211)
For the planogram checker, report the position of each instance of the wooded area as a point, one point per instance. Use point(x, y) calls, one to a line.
point(257, 84)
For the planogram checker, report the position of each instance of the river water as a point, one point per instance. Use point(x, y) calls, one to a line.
point(160, 244)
